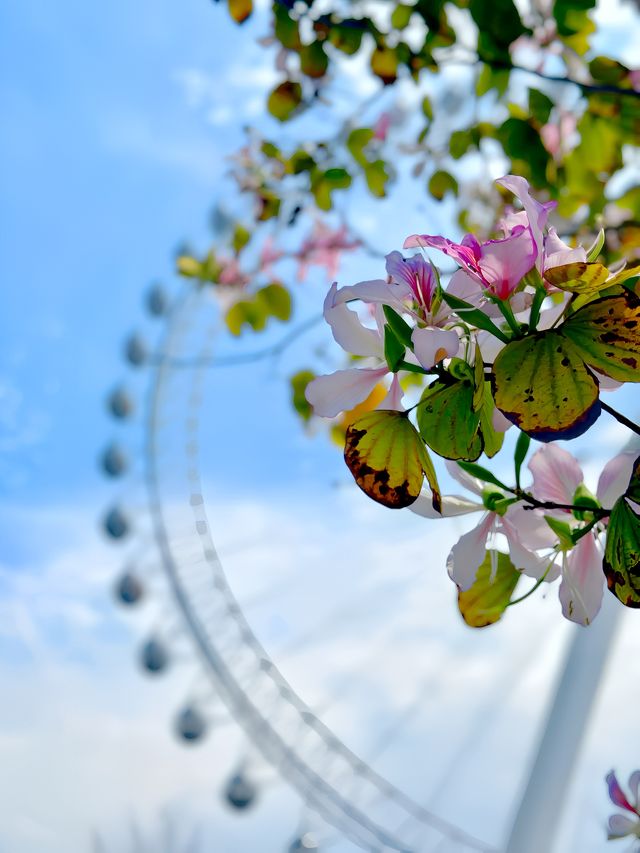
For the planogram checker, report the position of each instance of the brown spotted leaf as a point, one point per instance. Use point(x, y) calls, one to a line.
point(541, 384)
point(487, 599)
point(388, 459)
point(606, 333)
point(580, 277)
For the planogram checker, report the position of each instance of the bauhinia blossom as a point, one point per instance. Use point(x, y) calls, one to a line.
point(526, 533)
point(411, 289)
point(557, 477)
point(621, 825)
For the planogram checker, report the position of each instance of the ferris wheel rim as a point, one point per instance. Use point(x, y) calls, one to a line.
point(316, 792)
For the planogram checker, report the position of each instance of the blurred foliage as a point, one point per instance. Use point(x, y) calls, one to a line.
point(529, 96)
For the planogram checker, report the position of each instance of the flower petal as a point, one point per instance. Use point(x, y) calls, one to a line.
point(616, 794)
point(523, 558)
point(556, 474)
point(634, 787)
point(557, 252)
point(537, 213)
point(376, 290)
point(468, 553)
point(348, 330)
point(473, 484)
point(620, 825)
point(582, 584)
point(614, 478)
point(451, 505)
point(393, 400)
point(431, 345)
point(341, 391)
point(504, 262)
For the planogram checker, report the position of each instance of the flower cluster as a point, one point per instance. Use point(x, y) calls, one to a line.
point(528, 332)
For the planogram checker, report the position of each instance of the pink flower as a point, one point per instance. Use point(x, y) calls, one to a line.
point(381, 127)
point(556, 477)
point(620, 825)
point(344, 389)
point(526, 533)
point(323, 247)
point(269, 255)
point(230, 273)
point(497, 266)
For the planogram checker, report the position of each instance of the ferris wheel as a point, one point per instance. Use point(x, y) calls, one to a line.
point(172, 533)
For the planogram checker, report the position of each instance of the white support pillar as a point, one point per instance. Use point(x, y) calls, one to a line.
point(538, 815)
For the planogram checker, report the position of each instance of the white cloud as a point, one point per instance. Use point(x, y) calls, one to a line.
point(360, 617)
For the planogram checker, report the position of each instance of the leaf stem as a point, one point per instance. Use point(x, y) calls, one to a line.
point(537, 584)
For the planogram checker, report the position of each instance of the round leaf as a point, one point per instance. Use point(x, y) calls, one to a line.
point(578, 277)
point(541, 384)
point(388, 460)
point(447, 421)
point(487, 599)
point(606, 333)
point(285, 99)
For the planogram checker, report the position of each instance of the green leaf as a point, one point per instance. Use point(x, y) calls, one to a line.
point(621, 562)
point(489, 596)
point(394, 350)
point(427, 108)
point(244, 312)
point(520, 453)
point(286, 29)
point(579, 277)
point(441, 183)
point(478, 380)
point(470, 314)
point(521, 142)
point(376, 177)
point(276, 301)
point(269, 205)
point(596, 247)
point(607, 70)
point(490, 78)
point(459, 143)
point(357, 141)
point(284, 100)
point(240, 10)
point(499, 25)
point(324, 183)
point(540, 105)
point(401, 16)
point(313, 60)
point(384, 64)
point(482, 473)
point(447, 422)
point(493, 440)
point(563, 531)
point(401, 329)
point(347, 35)
point(541, 384)
point(388, 460)
point(241, 237)
point(606, 333)
point(299, 382)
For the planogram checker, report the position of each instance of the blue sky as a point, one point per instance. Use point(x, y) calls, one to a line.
point(117, 122)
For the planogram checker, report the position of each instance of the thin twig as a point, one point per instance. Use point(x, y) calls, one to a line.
point(246, 358)
point(621, 418)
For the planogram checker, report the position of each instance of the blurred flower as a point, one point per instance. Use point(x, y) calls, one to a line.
point(620, 825)
point(323, 248)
